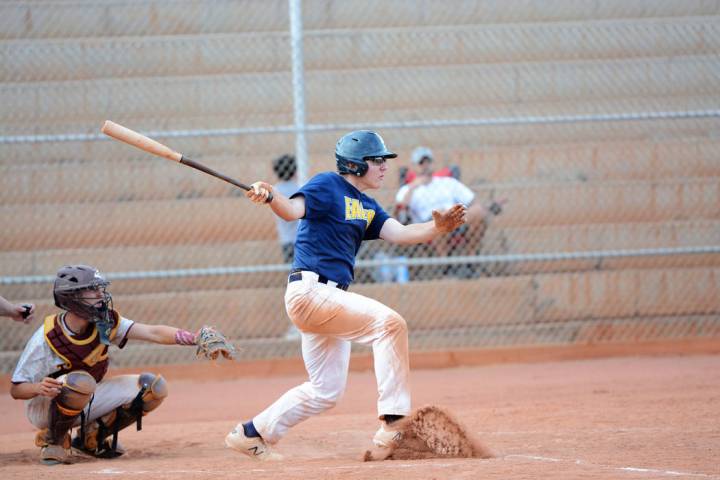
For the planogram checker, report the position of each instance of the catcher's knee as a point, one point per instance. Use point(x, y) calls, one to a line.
point(75, 393)
point(154, 391)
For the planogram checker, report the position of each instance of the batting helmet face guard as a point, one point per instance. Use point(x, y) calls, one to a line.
point(81, 289)
point(353, 150)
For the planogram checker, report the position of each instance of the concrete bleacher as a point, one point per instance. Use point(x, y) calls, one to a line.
point(232, 219)
point(260, 95)
point(150, 178)
point(527, 240)
point(103, 18)
point(143, 257)
point(588, 161)
point(516, 300)
point(222, 53)
point(162, 65)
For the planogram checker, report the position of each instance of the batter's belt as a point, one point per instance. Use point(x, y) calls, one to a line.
point(297, 275)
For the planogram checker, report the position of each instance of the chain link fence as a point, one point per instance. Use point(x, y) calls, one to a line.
point(590, 128)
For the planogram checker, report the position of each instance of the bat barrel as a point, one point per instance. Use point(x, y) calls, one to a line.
point(154, 147)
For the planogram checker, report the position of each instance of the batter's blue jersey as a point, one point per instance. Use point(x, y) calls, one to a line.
point(338, 217)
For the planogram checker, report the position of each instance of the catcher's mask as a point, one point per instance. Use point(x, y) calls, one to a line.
point(81, 289)
point(354, 149)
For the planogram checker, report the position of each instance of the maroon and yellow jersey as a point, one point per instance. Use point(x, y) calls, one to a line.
point(82, 352)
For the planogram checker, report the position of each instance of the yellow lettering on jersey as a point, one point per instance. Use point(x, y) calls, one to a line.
point(95, 356)
point(348, 208)
point(355, 211)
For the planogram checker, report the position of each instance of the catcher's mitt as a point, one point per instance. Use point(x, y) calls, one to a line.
point(211, 344)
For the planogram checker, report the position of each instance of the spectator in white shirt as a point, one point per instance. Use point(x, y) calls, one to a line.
point(430, 190)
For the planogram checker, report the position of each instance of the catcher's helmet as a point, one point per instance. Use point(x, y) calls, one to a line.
point(353, 150)
point(70, 289)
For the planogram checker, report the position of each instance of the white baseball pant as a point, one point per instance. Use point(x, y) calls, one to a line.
point(329, 319)
point(109, 394)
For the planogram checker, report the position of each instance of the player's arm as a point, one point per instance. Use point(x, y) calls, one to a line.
point(442, 222)
point(6, 308)
point(48, 387)
point(163, 334)
point(18, 312)
point(288, 209)
point(211, 343)
point(395, 232)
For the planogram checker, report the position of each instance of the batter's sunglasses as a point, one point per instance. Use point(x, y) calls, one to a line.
point(376, 160)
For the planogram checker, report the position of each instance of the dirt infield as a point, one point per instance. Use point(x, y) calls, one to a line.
point(627, 417)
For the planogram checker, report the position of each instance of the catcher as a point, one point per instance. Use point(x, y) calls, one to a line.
point(62, 371)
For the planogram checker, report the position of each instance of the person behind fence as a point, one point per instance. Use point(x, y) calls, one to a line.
point(427, 191)
point(20, 312)
point(62, 371)
point(285, 169)
point(336, 216)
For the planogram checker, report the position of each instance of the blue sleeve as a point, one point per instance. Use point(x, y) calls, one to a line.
point(316, 192)
point(373, 231)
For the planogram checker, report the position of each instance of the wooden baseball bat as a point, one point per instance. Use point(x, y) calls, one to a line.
point(131, 137)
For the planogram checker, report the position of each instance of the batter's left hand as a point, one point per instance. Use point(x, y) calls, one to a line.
point(259, 192)
point(450, 219)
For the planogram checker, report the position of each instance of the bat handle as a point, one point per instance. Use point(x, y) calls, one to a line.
point(269, 198)
point(199, 166)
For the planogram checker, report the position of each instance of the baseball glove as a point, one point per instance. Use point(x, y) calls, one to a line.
point(450, 219)
point(211, 344)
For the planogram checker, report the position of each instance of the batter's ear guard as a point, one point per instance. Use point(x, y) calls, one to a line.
point(352, 150)
point(352, 167)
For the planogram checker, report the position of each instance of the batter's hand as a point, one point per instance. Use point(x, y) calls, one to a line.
point(259, 192)
point(49, 387)
point(450, 219)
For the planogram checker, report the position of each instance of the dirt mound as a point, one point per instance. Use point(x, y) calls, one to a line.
point(431, 432)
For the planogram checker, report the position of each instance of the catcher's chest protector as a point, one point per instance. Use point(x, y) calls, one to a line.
point(84, 352)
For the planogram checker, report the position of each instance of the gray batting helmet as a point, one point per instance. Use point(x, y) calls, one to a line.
point(353, 150)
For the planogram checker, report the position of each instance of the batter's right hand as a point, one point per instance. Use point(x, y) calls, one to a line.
point(49, 387)
point(259, 192)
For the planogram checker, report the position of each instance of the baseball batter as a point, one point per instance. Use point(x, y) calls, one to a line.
point(336, 216)
point(62, 371)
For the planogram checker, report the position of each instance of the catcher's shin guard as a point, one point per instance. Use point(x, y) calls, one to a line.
point(153, 390)
point(75, 393)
